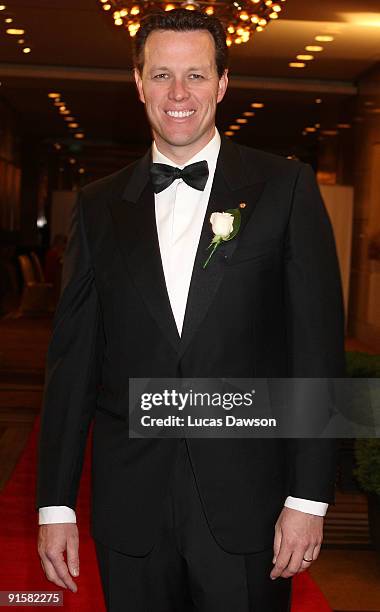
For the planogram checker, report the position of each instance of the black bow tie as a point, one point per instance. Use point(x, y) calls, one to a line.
point(163, 175)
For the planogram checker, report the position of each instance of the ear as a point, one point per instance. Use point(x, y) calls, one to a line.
point(222, 85)
point(138, 81)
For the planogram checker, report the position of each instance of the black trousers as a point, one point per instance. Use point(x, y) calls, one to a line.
point(187, 571)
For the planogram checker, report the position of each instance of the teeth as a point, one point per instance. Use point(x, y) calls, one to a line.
point(180, 114)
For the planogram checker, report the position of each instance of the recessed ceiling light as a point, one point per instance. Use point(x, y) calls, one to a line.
point(229, 133)
point(54, 95)
point(26, 50)
point(249, 114)
point(310, 129)
point(318, 100)
point(305, 58)
point(2, 7)
point(324, 38)
point(15, 32)
point(257, 105)
point(235, 127)
point(314, 48)
point(297, 64)
point(241, 120)
point(73, 125)
point(81, 170)
point(68, 118)
point(343, 126)
point(79, 135)
point(8, 20)
point(329, 132)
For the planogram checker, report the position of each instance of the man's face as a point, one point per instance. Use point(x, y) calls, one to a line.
point(180, 88)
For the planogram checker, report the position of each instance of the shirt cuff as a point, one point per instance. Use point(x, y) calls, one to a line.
point(56, 514)
point(306, 505)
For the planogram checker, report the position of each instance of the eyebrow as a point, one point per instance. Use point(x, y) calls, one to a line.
point(154, 68)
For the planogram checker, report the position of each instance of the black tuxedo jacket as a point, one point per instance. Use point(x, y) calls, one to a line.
point(269, 304)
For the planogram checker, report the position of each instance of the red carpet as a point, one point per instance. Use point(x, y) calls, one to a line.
point(20, 568)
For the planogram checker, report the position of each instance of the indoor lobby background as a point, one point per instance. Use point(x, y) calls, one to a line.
point(307, 86)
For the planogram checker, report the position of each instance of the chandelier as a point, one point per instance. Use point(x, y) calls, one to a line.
point(241, 18)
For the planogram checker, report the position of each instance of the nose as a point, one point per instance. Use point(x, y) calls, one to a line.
point(178, 90)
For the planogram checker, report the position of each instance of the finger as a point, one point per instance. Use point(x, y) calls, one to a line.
point(50, 572)
point(282, 561)
point(310, 553)
point(62, 572)
point(73, 555)
point(294, 564)
point(276, 543)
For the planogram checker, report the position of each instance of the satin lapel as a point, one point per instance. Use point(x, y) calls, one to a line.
point(230, 188)
point(136, 231)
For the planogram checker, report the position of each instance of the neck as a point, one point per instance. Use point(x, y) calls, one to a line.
point(180, 155)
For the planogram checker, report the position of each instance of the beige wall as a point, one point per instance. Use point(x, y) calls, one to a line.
point(364, 303)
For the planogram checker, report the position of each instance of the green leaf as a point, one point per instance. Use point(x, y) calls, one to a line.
point(235, 212)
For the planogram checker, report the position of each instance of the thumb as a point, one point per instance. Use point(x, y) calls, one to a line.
point(73, 556)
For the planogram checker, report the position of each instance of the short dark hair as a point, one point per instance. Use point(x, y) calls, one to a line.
point(181, 20)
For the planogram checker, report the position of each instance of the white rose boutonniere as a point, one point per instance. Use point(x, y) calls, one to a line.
point(225, 225)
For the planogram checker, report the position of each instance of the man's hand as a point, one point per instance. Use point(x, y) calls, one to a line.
point(298, 536)
point(53, 540)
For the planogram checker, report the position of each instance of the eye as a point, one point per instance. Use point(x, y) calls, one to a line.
point(161, 76)
point(195, 76)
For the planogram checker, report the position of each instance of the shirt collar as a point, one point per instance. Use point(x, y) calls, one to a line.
point(210, 153)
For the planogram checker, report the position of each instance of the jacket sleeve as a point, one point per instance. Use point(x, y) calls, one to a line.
point(315, 327)
point(72, 373)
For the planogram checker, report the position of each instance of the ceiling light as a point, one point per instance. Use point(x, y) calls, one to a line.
point(314, 48)
point(324, 38)
point(241, 120)
point(26, 50)
point(79, 135)
point(2, 7)
point(241, 19)
point(8, 20)
point(310, 129)
point(297, 64)
point(329, 132)
point(249, 114)
point(21, 41)
point(343, 126)
point(68, 118)
point(229, 133)
point(54, 95)
point(257, 105)
point(234, 127)
point(305, 58)
point(81, 170)
point(318, 100)
point(15, 32)
point(73, 125)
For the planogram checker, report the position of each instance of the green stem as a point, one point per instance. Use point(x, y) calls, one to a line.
point(216, 244)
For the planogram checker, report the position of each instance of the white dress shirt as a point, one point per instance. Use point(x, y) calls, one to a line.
point(180, 212)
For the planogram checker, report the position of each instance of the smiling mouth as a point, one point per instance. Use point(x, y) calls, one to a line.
point(180, 114)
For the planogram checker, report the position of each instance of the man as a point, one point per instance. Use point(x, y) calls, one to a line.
point(191, 524)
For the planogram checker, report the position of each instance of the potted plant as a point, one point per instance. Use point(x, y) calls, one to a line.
point(367, 454)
